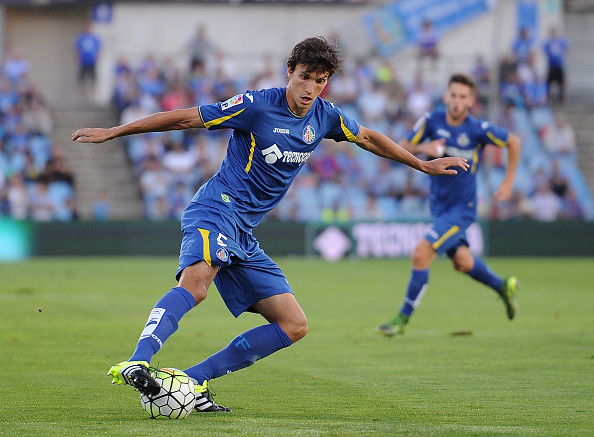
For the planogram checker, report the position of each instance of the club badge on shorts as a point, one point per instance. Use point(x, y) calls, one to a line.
point(223, 254)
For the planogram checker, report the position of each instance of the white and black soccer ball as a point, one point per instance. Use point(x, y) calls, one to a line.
point(175, 400)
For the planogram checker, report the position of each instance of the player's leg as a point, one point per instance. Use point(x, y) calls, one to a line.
point(423, 256)
point(475, 267)
point(162, 323)
point(287, 324)
point(258, 285)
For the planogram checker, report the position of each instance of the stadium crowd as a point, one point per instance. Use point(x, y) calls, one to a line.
point(35, 180)
point(338, 183)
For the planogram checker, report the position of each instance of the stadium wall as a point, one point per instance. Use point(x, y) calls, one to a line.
point(19, 240)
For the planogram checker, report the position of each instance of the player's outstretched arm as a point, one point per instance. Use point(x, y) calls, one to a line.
point(514, 147)
point(379, 144)
point(158, 122)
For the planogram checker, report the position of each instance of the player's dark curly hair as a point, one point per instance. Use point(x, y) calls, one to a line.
point(318, 54)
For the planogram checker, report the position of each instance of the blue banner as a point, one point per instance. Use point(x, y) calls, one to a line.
point(399, 24)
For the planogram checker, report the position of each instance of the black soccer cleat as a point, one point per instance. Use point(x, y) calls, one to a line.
point(205, 402)
point(136, 374)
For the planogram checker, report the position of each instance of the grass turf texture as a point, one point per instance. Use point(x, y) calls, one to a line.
point(64, 322)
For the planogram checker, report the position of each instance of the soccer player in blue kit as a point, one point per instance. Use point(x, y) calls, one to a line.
point(453, 199)
point(274, 133)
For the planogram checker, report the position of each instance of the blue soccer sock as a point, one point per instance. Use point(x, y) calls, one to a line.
point(417, 285)
point(163, 322)
point(482, 273)
point(243, 351)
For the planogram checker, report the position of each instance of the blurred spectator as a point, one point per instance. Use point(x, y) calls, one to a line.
point(546, 206)
point(523, 45)
point(15, 67)
point(420, 97)
point(571, 209)
point(42, 207)
point(87, 46)
point(427, 42)
point(270, 76)
point(518, 207)
point(372, 105)
point(481, 74)
point(36, 117)
point(18, 198)
point(559, 137)
point(154, 182)
point(559, 183)
point(175, 97)
point(101, 207)
point(181, 164)
point(179, 200)
point(555, 48)
point(199, 48)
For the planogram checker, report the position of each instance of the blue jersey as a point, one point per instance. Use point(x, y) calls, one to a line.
point(268, 147)
point(466, 141)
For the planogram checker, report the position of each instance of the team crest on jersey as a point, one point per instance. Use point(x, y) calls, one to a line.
point(223, 254)
point(463, 140)
point(309, 134)
point(233, 101)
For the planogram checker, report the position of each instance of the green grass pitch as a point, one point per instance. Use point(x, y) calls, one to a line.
point(65, 321)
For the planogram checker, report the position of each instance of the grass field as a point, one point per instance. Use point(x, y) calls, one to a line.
point(64, 322)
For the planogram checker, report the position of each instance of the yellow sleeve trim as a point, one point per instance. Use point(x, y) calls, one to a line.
point(205, 246)
point(415, 140)
point(249, 164)
point(220, 119)
point(496, 141)
point(346, 131)
point(445, 236)
point(475, 159)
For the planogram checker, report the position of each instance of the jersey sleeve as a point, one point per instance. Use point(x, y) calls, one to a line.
point(419, 132)
point(235, 113)
point(345, 129)
point(493, 134)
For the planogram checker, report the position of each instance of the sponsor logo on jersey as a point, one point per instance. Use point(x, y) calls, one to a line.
point(309, 134)
point(223, 254)
point(463, 140)
point(444, 133)
point(225, 198)
point(249, 96)
point(296, 157)
point(278, 130)
point(485, 125)
point(460, 153)
point(233, 101)
point(272, 154)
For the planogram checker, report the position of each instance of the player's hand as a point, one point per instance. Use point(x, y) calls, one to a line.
point(443, 166)
point(434, 149)
point(91, 135)
point(504, 191)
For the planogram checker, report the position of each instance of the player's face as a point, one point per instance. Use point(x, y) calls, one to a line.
point(458, 99)
point(304, 87)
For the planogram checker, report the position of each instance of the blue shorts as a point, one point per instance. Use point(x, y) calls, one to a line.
point(448, 232)
point(246, 274)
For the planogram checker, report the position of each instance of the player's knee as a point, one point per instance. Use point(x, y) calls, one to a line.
point(296, 329)
point(462, 266)
point(422, 255)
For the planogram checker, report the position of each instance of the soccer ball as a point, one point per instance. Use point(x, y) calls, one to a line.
point(175, 400)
